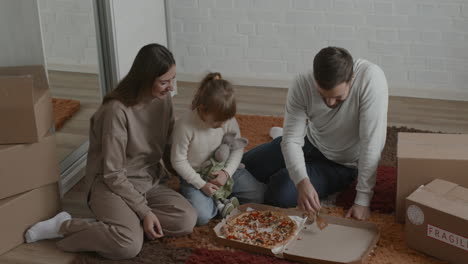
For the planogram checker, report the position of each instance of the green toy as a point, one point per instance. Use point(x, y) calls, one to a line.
point(216, 163)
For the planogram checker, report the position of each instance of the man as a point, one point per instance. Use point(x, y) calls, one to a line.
point(334, 131)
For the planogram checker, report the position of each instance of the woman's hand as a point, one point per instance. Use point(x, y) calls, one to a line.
point(221, 178)
point(209, 189)
point(152, 227)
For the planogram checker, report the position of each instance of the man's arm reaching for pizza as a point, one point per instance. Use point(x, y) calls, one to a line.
point(293, 139)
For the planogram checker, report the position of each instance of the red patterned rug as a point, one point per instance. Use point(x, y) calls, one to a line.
point(162, 253)
point(384, 192)
point(203, 256)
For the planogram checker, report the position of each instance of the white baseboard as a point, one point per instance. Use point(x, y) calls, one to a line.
point(72, 175)
point(73, 68)
point(441, 94)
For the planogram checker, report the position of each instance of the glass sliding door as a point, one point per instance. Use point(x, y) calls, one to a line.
point(89, 46)
point(71, 39)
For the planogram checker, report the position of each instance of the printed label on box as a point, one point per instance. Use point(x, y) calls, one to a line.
point(447, 237)
point(415, 215)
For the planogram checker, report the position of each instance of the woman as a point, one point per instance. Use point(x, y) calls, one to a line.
point(130, 137)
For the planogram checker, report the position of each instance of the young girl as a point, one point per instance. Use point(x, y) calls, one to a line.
point(196, 136)
point(129, 135)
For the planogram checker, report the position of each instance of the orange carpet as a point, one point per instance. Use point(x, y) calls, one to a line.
point(257, 128)
point(390, 249)
point(63, 110)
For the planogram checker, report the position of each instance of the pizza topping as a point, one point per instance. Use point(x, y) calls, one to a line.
point(261, 228)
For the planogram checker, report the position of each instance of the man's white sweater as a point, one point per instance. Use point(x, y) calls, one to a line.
point(353, 134)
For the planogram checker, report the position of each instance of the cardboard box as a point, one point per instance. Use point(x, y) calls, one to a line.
point(437, 221)
point(20, 212)
point(343, 241)
point(25, 104)
point(24, 167)
point(423, 157)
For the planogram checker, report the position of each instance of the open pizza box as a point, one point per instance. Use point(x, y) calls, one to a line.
point(342, 241)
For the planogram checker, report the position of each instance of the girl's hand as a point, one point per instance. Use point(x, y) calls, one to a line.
point(221, 178)
point(209, 189)
point(152, 227)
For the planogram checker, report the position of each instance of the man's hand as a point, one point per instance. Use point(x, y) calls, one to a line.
point(209, 189)
point(307, 198)
point(359, 212)
point(221, 178)
point(151, 226)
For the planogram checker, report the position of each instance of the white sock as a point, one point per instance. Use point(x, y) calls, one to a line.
point(276, 132)
point(47, 229)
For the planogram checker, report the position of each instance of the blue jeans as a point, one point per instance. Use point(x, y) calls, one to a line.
point(246, 188)
point(266, 163)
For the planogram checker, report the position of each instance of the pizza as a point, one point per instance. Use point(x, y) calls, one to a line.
point(267, 229)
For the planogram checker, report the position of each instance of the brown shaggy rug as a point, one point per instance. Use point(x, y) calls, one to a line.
point(200, 246)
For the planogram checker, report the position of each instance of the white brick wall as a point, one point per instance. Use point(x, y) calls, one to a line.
point(421, 45)
point(69, 35)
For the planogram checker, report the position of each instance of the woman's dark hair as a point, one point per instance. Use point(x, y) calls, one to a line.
point(152, 61)
point(333, 66)
point(215, 96)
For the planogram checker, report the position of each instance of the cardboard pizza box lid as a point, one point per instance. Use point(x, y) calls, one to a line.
point(342, 241)
point(354, 239)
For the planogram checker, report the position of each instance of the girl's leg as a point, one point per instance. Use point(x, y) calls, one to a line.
point(246, 188)
point(117, 234)
point(204, 205)
point(176, 215)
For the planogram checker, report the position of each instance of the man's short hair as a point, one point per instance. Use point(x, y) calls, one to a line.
point(333, 66)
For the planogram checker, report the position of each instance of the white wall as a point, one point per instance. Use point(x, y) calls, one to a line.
point(136, 23)
point(20, 32)
point(422, 45)
point(69, 35)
